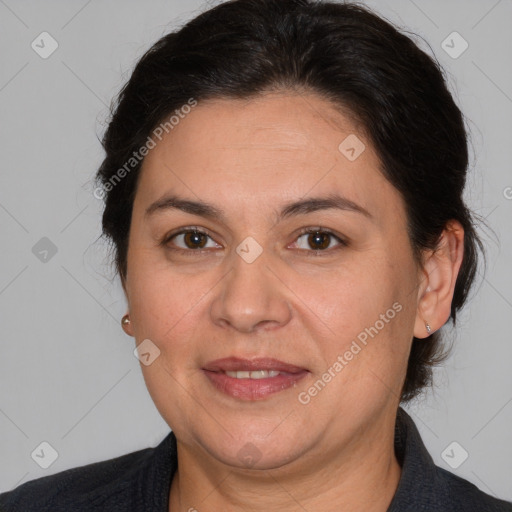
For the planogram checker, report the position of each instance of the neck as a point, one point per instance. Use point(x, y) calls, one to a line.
point(363, 475)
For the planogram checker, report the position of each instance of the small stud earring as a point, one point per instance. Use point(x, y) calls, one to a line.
point(429, 330)
point(125, 320)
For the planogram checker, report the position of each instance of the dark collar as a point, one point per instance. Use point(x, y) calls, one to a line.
point(419, 472)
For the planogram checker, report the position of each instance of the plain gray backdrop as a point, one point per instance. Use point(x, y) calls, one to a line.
point(68, 373)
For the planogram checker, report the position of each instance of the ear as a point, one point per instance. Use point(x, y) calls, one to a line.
point(440, 270)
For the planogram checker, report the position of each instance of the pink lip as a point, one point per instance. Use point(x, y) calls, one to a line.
point(234, 364)
point(252, 389)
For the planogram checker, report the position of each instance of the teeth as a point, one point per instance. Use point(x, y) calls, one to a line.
point(258, 374)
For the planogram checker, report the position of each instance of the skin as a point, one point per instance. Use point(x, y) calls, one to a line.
point(249, 158)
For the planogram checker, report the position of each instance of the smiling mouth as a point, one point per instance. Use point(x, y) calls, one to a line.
point(254, 379)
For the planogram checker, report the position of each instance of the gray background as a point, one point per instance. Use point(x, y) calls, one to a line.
point(68, 373)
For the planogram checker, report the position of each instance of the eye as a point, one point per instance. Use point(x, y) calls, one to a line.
point(318, 239)
point(192, 240)
point(189, 240)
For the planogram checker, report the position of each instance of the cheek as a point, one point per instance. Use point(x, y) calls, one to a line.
point(351, 298)
point(363, 314)
point(163, 304)
point(168, 309)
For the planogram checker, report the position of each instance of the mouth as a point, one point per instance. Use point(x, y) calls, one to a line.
point(252, 379)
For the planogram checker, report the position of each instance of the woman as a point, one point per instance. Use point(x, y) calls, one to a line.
point(283, 187)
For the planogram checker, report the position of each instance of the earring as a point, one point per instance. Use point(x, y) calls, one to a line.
point(429, 330)
point(125, 320)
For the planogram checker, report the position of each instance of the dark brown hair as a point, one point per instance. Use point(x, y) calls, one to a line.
point(341, 51)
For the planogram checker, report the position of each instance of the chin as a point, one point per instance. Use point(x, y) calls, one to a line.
point(254, 449)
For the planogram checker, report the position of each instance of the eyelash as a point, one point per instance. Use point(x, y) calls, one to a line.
point(305, 231)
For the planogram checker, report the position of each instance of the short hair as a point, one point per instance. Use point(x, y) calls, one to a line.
point(363, 64)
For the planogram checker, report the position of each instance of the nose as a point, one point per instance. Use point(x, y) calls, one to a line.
point(250, 297)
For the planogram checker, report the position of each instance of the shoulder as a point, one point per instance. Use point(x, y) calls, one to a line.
point(458, 494)
point(426, 487)
point(111, 485)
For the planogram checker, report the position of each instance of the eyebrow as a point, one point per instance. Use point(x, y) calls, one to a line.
point(300, 207)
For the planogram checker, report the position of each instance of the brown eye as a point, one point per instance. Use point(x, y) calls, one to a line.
point(190, 240)
point(318, 240)
point(194, 239)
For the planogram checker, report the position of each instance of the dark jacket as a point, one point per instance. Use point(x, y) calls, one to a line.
point(140, 482)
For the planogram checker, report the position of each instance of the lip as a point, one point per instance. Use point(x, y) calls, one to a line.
point(233, 364)
point(252, 389)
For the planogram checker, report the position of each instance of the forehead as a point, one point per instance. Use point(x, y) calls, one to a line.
point(296, 123)
point(258, 151)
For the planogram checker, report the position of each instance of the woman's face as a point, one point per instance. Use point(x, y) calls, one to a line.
point(339, 306)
